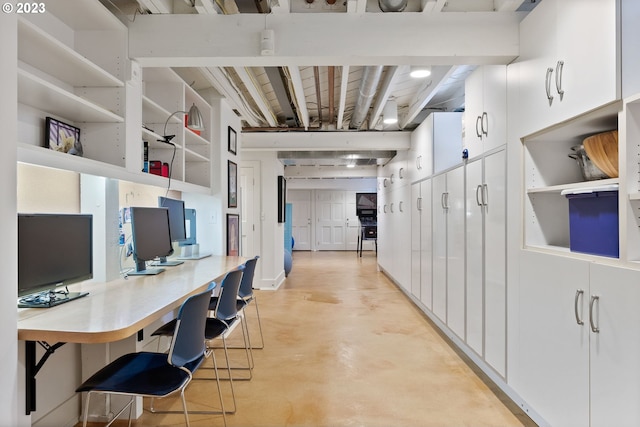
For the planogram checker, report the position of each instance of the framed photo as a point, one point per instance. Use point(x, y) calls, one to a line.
point(233, 141)
point(282, 198)
point(232, 179)
point(62, 137)
point(233, 235)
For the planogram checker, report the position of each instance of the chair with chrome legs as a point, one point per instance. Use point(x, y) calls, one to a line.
point(220, 326)
point(156, 375)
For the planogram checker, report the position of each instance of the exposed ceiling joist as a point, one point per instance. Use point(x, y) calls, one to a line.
point(246, 76)
point(298, 94)
point(428, 91)
point(206, 7)
point(433, 5)
point(344, 80)
point(223, 85)
point(383, 94)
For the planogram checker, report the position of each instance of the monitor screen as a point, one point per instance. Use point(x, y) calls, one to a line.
point(150, 234)
point(53, 250)
point(177, 227)
point(366, 204)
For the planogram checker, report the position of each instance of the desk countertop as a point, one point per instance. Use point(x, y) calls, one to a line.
point(118, 309)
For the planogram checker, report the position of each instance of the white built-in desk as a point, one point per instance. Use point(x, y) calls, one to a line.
point(114, 310)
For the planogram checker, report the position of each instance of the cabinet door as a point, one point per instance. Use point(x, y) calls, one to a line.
point(553, 355)
point(589, 76)
point(426, 248)
point(615, 349)
point(475, 257)
point(384, 234)
point(495, 292)
point(416, 224)
point(537, 54)
point(402, 236)
point(439, 211)
point(473, 89)
point(420, 162)
point(494, 106)
point(456, 252)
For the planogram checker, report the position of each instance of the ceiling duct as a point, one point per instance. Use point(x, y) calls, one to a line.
point(392, 5)
point(368, 86)
point(277, 80)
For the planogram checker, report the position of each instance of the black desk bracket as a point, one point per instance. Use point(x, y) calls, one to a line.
point(32, 368)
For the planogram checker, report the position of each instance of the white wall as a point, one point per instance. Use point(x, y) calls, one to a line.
point(12, 379)
point(270, 269)
point(349, 184)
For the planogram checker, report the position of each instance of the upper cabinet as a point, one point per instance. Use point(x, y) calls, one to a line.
point(569, 61)
point(485, 117)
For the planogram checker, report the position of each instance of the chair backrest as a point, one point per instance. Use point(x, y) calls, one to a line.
point(188, 343)
point(246, 285)
point(227, 307)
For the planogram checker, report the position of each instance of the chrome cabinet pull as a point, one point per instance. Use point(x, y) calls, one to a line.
point(384, 209)
point(579, 293)
point(391, 207)
point(559, 68)
point(400, 173)
point(485, 119)
point(485, 194)
point(419, 162)
point(479, 130)
point(547, 85)
point(419, 203)
point(384, 182)
point(594, 328)
point(391, 178)
point(478, 202)
point(400, 207)
point(444, 200)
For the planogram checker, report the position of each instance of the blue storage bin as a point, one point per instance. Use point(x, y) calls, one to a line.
point(593, 223)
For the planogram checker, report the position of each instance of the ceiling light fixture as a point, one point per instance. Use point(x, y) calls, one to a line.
point(419, 72)
point(390, 112)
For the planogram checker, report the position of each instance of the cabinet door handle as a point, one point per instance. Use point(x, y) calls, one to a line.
point(419, 162)
point(579, 293)
point(479, 129)
point(391, 207)
point(419, 203)
point(594, 328)
point(547, 85)
point(391, 179)
point(444, 200)
point(478, 201)
point(400, 173)
point(485, 119)
point(384, 182)
point(384, 209)
point(559, 68)
point(485, 194)
point(400, 207)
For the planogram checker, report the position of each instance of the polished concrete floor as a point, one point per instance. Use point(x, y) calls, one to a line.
point(345, 347)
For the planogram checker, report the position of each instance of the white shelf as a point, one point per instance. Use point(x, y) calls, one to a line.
point(573, 186)
point(192, 156)
point(85, 15)
point(154, 140)
point(192, 138)
point(45, 96)
point(40, 50)
point(152, 112)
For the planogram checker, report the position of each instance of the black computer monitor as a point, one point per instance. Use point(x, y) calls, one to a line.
point(54, 250)
point(177, 227)
point(151, 237)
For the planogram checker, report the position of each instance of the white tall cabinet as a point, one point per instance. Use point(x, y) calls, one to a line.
point(486, 316)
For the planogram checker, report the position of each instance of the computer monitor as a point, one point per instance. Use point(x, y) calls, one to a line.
point(177, 227)
point(54, 250)
point(366, 204)
point(151, 238)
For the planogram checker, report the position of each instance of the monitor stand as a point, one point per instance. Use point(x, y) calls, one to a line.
point(191, 252)
point(165, 262)
point(142, 270)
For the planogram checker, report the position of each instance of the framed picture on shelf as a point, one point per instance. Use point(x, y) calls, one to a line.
point(232, 179)
point(233, 235)
point(233, 141)
point(62, 137)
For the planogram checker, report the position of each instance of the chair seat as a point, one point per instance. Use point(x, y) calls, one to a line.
point(141, 373)
point(216, 327)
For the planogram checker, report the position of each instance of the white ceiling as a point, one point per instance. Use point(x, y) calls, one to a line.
point(286, 91)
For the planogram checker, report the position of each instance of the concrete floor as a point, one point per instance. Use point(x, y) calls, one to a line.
point(345, 347)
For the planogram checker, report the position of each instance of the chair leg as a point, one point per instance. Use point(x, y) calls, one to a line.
point(184, 406)
point(255, 302)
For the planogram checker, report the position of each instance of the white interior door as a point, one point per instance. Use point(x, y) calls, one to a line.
point(301, 218)
point(248, 209)
point(353, 223)
point(331, 221)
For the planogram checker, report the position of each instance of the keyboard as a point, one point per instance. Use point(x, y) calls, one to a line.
point(47, 300)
